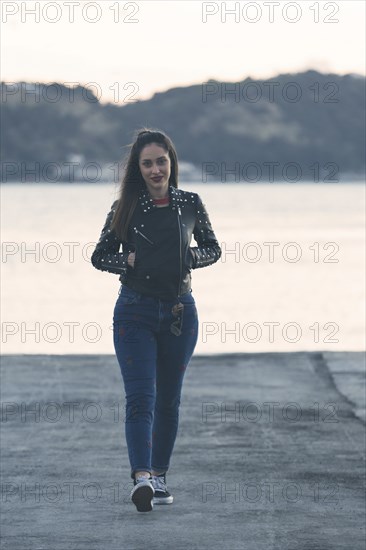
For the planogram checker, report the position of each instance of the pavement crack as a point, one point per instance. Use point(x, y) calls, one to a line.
point(322, 370)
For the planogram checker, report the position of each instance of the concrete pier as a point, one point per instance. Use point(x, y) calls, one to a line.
point(270, 454)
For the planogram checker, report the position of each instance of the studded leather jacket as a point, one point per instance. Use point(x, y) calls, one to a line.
point(160, 238)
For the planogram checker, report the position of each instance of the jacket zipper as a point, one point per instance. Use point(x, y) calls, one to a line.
point(180, 249)
point(142, 235)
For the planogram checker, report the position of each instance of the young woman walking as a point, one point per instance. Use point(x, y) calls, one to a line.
point(155, 321)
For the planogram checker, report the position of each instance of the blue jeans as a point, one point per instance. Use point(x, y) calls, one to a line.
point(153, 361)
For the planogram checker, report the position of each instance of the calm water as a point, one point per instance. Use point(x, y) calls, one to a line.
point(54, 301)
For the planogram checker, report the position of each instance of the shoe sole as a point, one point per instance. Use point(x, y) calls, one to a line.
point(162, 500)
point(143, 498)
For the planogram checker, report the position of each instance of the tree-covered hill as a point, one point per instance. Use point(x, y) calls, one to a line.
point(308, 118)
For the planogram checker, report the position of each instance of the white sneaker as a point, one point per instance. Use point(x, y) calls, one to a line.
point(142, 494)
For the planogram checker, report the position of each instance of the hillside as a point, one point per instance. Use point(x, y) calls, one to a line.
point(216, 134)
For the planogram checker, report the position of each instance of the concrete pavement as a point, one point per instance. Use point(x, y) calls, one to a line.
point(270, 454)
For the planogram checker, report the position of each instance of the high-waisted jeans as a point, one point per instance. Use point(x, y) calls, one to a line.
point(153, 361)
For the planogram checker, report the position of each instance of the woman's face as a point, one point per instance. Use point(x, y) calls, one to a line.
point(154, 163)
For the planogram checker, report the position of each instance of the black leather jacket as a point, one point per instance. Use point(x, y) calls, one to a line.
point(160, 238)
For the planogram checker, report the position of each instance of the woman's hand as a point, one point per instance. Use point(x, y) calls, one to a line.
point(131, 259)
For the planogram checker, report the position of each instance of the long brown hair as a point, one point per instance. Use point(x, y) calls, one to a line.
point(132, 181)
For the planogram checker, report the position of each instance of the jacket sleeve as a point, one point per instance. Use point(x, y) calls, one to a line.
point(106, 255)
point(208, 250)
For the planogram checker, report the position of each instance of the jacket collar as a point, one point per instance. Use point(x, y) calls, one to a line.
point(147, 204)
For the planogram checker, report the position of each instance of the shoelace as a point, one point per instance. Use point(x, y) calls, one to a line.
point(159, 483)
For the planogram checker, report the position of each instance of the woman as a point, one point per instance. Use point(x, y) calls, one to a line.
point(155, 322)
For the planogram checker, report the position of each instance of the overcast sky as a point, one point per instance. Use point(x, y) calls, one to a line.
point(151, 46)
